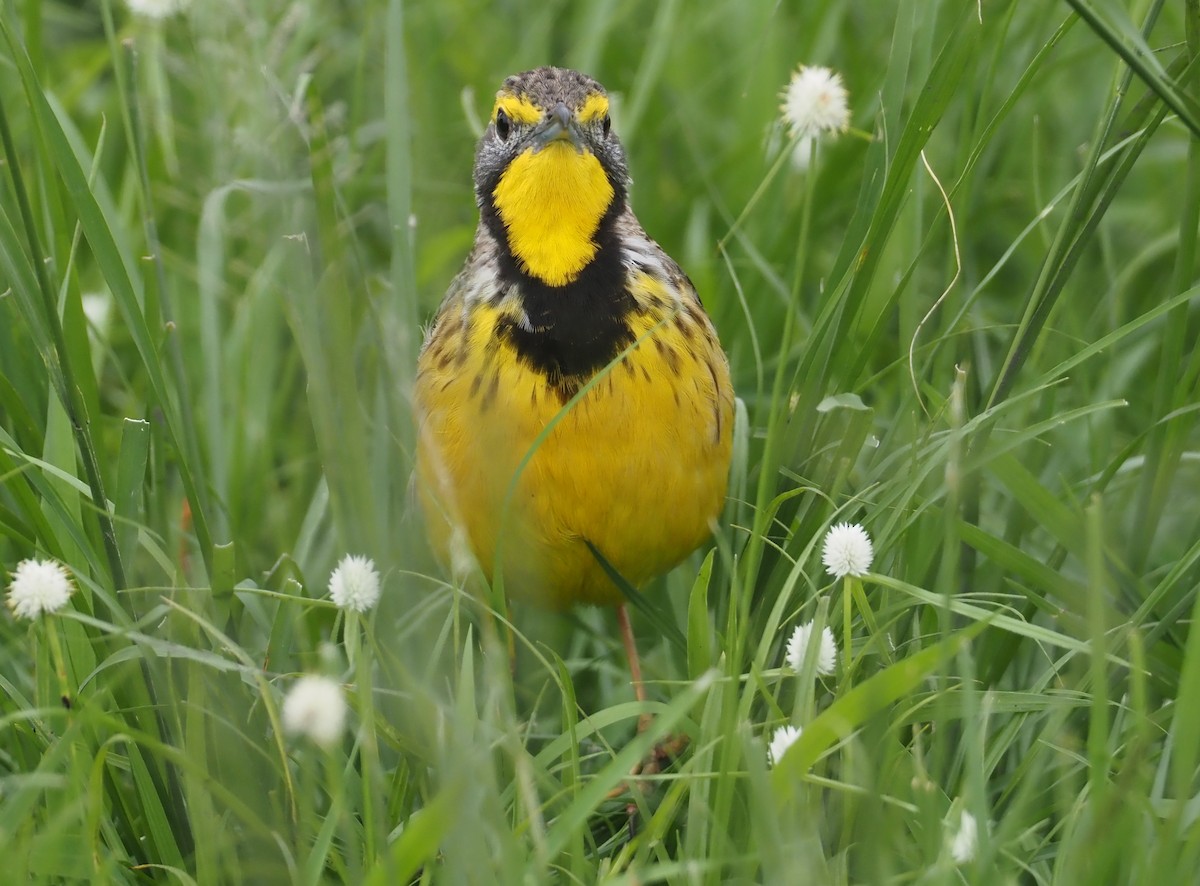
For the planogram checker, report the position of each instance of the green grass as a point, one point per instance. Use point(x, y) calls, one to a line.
point(270, 198)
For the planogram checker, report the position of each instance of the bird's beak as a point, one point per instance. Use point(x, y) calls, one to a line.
point(559, 125)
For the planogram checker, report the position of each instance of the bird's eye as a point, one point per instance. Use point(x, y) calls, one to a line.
point(606, 124)
point(503, 125)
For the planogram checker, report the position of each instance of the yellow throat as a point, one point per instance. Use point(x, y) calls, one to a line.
point(551, 201)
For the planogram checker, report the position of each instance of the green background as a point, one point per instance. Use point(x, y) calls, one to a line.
point(970, 326)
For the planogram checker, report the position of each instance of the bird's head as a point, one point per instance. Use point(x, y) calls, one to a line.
point(549, 169)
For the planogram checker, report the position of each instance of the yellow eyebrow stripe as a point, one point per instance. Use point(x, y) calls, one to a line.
point(521, 110)
point(594, 107)
point(518, 107)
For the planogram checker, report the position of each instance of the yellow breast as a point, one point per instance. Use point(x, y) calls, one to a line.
point(637, 465)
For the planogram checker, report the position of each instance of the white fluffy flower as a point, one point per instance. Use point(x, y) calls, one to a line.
point(965, 839)
point(39, 586)
point(847, 550)
point(815, 102)
point(156, 8)
point(784, 738)
point(797, 649)
point(314, 707)
point(354, 584)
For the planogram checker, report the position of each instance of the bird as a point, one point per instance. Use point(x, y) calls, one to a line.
point(571, 396)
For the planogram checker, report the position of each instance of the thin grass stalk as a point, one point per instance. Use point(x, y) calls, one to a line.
point(1181, 103)
point(106, 252)
point(398, 114)
point(125, 68)
point(1065, 251)
point(1167, 440)
point(778, 408)
point(65, 381)
point(1083, 214)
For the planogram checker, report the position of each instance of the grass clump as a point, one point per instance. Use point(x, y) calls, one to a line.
point(966, 325)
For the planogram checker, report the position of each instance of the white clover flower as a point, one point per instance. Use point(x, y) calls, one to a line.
point(847, 550)
point(784, 738)
point(159, 9)
point(797, 649)
point(815, 102)
point(314, 708)
point(354, 584)
point(965, 839)
point(39, 586)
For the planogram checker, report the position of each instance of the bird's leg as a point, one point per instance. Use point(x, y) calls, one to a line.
point(635, 667)
point(667, 750)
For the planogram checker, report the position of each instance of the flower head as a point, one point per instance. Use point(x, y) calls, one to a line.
point(156, 8)
point(784, 738)
point(39, 586)
point(354, 584)
point(965, 839)
point(815, 102)
point(314, 707)
point(847, 550)
point(797, 649)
